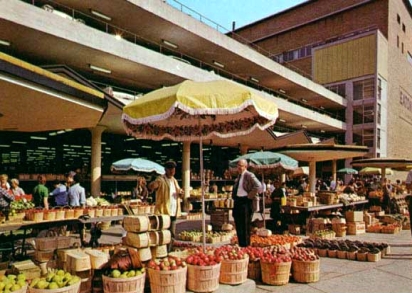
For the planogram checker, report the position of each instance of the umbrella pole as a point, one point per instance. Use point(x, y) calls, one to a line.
point(263, 200)
point(202, 184)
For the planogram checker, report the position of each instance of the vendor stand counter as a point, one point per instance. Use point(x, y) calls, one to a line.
point(308, 212)
point(27, 225)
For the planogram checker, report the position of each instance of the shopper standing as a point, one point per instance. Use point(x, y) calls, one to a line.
point(59, 194)
point(77, 193)
point(4, 182)
point(245, 189)
point(140, 191)
point(15, 188)
point(5, 199)
point(41, 193)
point(168, 195)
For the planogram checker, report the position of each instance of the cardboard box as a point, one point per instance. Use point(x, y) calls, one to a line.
point(354, 216)
point(356, 228)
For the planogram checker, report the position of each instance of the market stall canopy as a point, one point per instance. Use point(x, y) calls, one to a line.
point(347, 171)
point(138, 165)
point(192, 110)
point(393, 163)
point(374, 171)
point(322, 152)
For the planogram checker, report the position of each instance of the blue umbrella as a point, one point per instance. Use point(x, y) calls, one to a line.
point(137, 164)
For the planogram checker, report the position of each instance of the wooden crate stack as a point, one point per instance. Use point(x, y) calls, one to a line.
point(78, 263)
point(355, 223)
point(148, 234)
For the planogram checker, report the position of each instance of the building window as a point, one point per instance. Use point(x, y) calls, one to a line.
point(379, 111)
point(339, 89)
point(364, 89)
point(397, 41)
point(402, 47)
point(378, 139)
point(363, 114)
point(403, 27)
point(398, 18)
point(379, 89)
point(364, 137)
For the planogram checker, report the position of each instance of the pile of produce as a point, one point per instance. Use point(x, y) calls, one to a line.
point(20, 205)
point(343, 245)
point(11, 283)
point(55, 279)
point(169, 263)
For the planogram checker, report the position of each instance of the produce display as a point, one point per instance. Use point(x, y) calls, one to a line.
point(55, 279)
point(20, 205)
point(169, 263)
point(344, 245)
point(125, 274)
point(11, 283)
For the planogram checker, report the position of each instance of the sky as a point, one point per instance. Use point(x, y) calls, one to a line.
point(242, 12)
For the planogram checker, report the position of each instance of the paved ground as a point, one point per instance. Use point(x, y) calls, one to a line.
point(391, 274)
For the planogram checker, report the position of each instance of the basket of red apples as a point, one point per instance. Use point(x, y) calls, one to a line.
point(305, 265)
point(234, 266)
point(276, 263)
point(203, 271)
point(167, 275)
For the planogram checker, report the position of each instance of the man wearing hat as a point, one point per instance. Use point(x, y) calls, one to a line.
point(168, 195)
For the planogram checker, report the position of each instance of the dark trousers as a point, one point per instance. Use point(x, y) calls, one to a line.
point(242, 214)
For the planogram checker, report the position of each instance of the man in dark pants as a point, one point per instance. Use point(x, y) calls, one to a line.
point(245, 189)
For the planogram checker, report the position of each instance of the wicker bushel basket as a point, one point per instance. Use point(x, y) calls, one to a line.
point(362, 256)
point(276, 273)
point(203, 278)
point(254, 270)
point(168, 281)
point(49, 215)
point(164, 222)
point(159, 251)
point(137, 223)
point(69, 289)
point(351, 255)
point(306, 271)
point(374, 257)
point(341, 254)
point(121, 285)
point(233, 272)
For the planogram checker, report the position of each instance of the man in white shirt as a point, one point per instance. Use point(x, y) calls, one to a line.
point(245, 190)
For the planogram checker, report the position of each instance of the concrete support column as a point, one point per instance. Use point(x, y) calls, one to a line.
point(96, 160)
point(312, 176)
point(186, 172)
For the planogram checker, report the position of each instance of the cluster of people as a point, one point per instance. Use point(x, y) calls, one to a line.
point(69, 193)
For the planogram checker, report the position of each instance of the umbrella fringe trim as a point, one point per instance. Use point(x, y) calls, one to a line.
point(205, 111)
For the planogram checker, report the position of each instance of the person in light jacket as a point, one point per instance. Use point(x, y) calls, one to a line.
point(77, 194)
point(245, 189)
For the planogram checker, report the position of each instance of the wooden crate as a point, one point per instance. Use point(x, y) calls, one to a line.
point(218, 218)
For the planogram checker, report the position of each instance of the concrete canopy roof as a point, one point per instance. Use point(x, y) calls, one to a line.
point(322, 152)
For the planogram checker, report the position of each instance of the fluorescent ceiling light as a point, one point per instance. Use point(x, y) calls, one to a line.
point(169, 44)
point(282, 120)
point(4, 43)
point(101, 15)
point(4, 145)
point(20, 142)
point(282, 91)
point(96, 68)
point(254, 79)
point(219, 64)
point(146, 147)
point(38, 137)
point(304, 100)
point(322, 108)
point(304, 126)
point(323, 131)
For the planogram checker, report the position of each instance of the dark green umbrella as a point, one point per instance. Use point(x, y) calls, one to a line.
point(266, 162)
